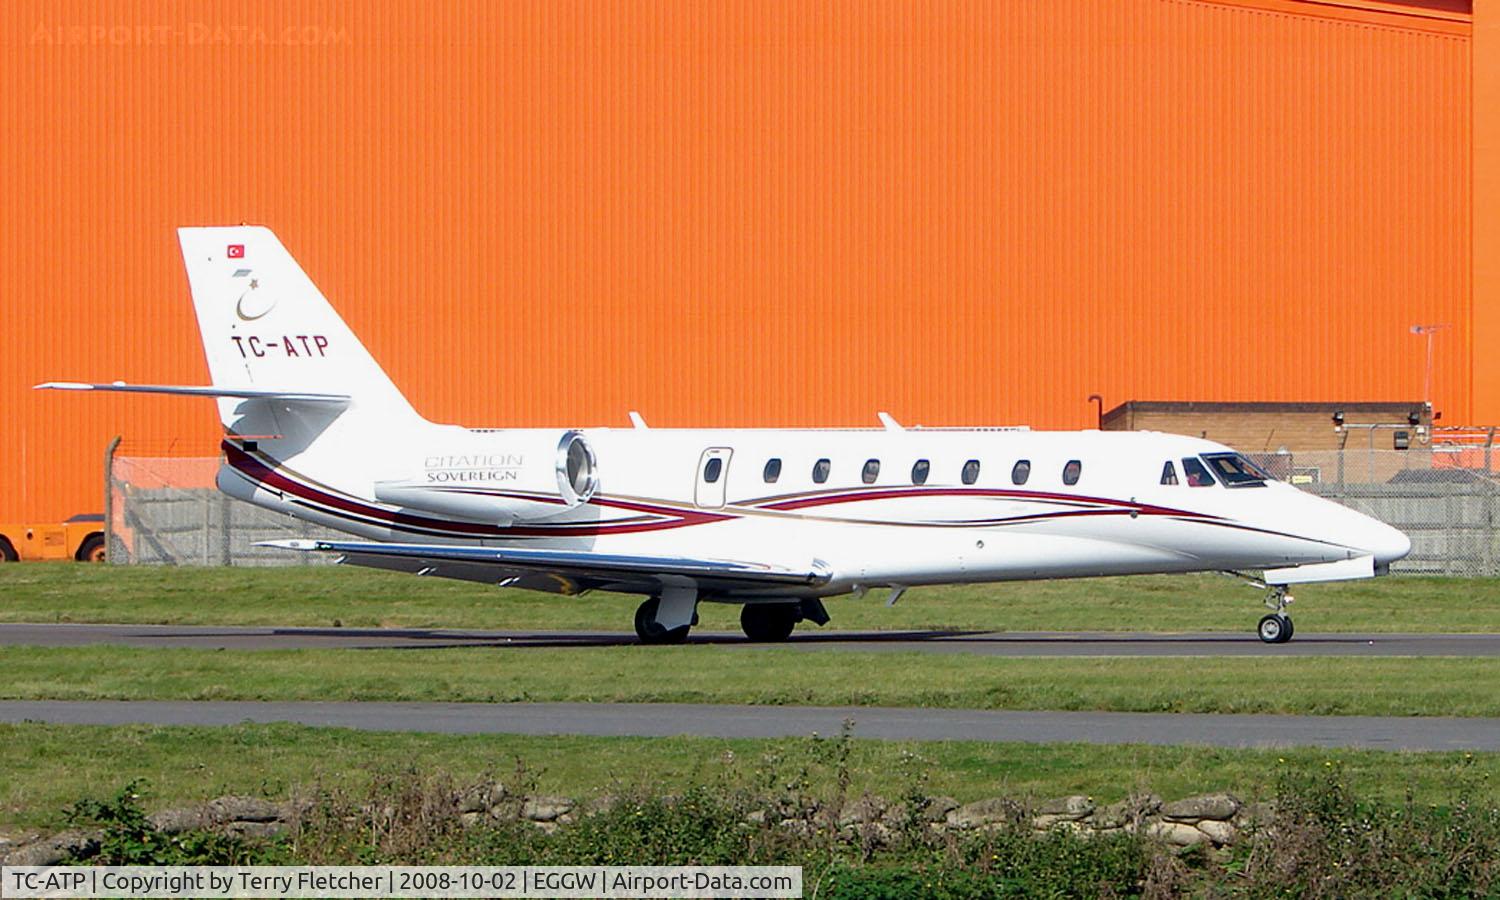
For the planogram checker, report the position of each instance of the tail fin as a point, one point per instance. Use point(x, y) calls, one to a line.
point(267, 328)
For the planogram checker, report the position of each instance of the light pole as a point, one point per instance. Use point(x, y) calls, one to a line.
point(1429, 331)
point(1098, 402)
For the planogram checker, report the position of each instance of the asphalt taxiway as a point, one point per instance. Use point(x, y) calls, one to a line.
point(1020, 644)
point(661, 719)
point(887, 723)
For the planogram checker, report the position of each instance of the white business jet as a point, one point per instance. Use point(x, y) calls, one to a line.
point(773, 520)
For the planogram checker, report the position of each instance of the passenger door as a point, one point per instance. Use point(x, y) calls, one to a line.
point(713, 476)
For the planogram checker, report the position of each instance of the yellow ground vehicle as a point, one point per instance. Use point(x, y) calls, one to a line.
point(80, 538)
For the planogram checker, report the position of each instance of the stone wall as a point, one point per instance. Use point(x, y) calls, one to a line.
point(1215, 820)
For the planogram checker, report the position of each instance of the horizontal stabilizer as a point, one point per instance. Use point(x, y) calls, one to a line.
point(196, 391)
point(569, 571)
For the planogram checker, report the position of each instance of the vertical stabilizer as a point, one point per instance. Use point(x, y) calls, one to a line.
point(267, 327)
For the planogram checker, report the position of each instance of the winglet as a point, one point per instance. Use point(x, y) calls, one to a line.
point(637, 421)
point(889, 423)
point(294, 544)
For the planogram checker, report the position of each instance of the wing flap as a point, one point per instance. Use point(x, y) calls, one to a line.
point(562, 571)
point(464, 571)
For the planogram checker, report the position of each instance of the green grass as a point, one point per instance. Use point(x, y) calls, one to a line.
point(323, 596)
point(764, 676)
point(43, 768)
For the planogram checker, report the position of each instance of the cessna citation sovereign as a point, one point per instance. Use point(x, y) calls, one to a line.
point(773, 520)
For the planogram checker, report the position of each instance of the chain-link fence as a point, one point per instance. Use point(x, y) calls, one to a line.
point(1452, 526)
point(1446, 497)
point(166, 510)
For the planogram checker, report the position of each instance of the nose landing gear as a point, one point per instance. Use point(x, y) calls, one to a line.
point(1275, 627)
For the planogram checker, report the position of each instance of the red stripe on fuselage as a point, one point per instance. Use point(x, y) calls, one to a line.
point(257, 471)
point(671, 517)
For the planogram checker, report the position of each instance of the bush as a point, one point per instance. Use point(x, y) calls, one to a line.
point(788, 809)
point(129, 839)
point(1325, 842)
point(884, 883)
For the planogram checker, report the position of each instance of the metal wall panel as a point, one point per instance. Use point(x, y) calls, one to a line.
point(739, 213)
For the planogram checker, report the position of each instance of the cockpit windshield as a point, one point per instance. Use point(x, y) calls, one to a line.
point(1195, 473)
point(1235, 470)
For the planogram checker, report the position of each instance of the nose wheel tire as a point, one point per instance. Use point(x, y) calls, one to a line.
point(650, 632)
point(1275, 628)
point(769, 622)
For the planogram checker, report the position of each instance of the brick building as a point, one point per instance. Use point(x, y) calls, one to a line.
point(1275, 427)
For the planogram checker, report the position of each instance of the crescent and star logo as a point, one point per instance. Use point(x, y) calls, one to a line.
point(252, 305)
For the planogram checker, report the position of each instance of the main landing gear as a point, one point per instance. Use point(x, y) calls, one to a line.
point(667, 619)
point(1275, 627)
point(652, 632)
point(768, 623)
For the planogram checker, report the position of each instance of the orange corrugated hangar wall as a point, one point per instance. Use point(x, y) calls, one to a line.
point(741, 214)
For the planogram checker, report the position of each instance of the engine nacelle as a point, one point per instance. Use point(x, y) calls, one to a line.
point(507, 477)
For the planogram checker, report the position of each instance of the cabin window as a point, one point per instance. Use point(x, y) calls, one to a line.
point(920, 470)
point(1168, 473)
point(820, 471)
point(1195, 473)
point(971, 471)
point(1020, 471)
point(773, 470)
point(871, 471)
point(713, 469)
point(1071, 471)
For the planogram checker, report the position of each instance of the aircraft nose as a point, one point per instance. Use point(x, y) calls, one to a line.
point(1366, 534)
point(1378, 539)
point(1389, 544)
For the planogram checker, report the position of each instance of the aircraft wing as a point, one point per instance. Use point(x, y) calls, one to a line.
point(563, 571)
